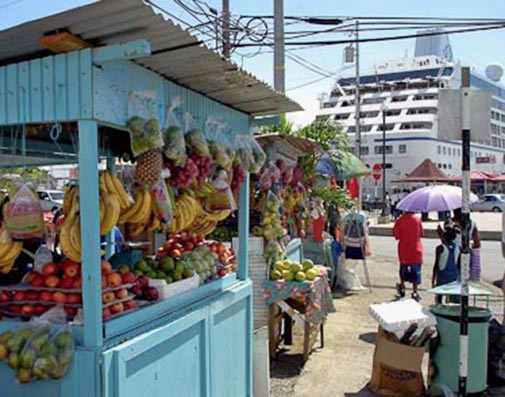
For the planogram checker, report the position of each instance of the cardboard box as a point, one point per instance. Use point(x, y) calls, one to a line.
point(396, 368)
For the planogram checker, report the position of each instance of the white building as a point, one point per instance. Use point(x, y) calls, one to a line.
point(408, 91)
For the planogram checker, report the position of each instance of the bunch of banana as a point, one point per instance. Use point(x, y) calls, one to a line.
point(9, 251)
point(139, 216)
point(114, 201)
point(207, 189)
point(218, 216)
point(202, 226)
point(70, 199)
point(185, 211)
point(70, 235)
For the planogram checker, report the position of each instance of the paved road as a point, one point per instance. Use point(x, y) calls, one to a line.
point(493, 264)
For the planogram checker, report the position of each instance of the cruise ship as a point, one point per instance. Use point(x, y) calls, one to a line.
point(407, 91)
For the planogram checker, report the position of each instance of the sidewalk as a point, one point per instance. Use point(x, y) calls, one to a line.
point(488, 223)
point(344, 366)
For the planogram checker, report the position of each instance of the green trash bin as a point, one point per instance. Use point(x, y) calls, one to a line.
point(444, 350)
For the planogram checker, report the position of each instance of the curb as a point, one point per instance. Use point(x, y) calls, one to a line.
point(430, 233)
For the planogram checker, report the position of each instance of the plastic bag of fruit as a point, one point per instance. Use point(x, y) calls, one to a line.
point(143, 122)
point(244, 155)
point(173, 136)
point(217, 134)
point(222, 199)
point(23, 215)
point(258, 155)
point(162, 205)
point(194, 137)
point(36, 347)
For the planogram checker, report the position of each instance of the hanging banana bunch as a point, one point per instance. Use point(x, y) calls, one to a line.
point(9, 251)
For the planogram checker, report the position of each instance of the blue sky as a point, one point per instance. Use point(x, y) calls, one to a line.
point(476, 49)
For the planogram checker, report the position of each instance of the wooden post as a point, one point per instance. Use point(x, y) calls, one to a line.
point(90, 233)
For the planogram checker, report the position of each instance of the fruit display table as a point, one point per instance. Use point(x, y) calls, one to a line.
point(96, 106)
point(309, 302)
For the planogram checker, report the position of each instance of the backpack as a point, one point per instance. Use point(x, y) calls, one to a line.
point(354, 233)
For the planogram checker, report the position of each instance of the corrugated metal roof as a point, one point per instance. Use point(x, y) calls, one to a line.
point(300, 145)
point(186, 62)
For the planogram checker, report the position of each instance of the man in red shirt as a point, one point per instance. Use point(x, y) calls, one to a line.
point(408, 230)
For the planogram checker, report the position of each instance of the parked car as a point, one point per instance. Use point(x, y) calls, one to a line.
point(489, 203)
point(50, 199)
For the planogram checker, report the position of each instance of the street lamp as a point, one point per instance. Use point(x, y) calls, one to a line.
point(384, 109)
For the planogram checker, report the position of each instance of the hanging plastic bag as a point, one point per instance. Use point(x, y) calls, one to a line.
point(222, 199)
point(143, 123)
point(217, 145)
point(258, 155)
point(244, 155)
point(195, 139)
point(173, 136)
point(23, 215)
point(162, 206)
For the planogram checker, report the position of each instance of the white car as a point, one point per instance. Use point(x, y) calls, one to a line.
point(50, 199)
point(489, 203)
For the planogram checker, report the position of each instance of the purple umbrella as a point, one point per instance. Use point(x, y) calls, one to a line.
point(433, 198)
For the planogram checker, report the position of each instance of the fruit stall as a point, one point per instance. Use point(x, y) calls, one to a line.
point(134, 298)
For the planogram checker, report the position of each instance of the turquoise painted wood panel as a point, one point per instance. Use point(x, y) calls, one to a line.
point(116, 83)
point(231, 359)
point(47, 89)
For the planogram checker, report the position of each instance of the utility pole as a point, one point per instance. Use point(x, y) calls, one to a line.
point(279, 68)
point(465, 233)
point(226, 29)
point(357, 99)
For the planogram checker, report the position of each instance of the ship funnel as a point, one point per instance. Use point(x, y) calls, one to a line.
point(438, 45)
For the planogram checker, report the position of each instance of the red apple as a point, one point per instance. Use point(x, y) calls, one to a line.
point(5, 296)
point(77, 283)
point(50, 269)
point(32, 295)
point(14, 309)
point(108, 297)
point(136, 290)
point(131, 304)
point(19, 296)
point(128, 278)
point(114, 280)
point(59, 297)
point(116, 308)
point(36, 279)
point(104, 281)
point(142, 281)
point(39, 309)
point(46, 296)
point(121, 293)
point(74, 298)
point(52, 281)
point(106, 313)
point(106, 267)
point(27, 310)
point(66, 282)
point(71, 311)
point(71, 269)
point(176, 254)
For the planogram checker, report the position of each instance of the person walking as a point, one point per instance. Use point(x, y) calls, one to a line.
point(408, 230)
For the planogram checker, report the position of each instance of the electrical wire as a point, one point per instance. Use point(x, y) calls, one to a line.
point(308, 83)
point(10, 4)
point(378, 39)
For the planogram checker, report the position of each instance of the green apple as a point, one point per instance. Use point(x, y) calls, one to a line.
point(296, 267)
point(307, 264)
point(310, 274)
point(275, 275)
point(300, 276)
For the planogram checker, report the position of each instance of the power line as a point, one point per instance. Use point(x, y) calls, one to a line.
point(308, 83)
point(378, 39)
point(10, 4)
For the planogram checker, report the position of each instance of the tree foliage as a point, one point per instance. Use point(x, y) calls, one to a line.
point(284, 127)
